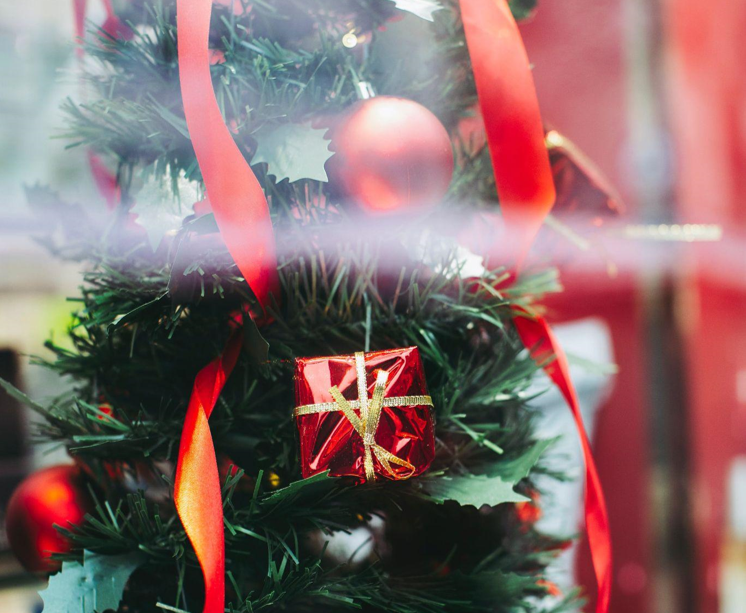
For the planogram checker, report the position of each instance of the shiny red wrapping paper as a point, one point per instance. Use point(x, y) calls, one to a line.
point(328, 440)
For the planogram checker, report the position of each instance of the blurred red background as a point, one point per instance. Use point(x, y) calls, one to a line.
point(666, 438)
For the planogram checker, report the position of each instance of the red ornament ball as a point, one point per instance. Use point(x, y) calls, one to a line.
point(55, 495)
point(392, 155)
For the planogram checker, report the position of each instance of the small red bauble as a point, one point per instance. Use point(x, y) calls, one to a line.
point(392, 155)
point(55, 495)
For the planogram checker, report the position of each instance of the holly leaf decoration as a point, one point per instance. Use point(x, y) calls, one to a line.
point(52, 213)
point(299, 492)
point(162, 205)
point(94, 586)
point(490, 586)
point(254, 343)
point(518, 468)
point(496, 487)
point(422, 8)
point(475, 490)
point(293, 151)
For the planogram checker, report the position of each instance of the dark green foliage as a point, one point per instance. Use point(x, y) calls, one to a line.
point(138, 347)
point(146, 322)
point(138, 119)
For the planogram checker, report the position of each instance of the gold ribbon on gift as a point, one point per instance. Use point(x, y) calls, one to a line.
point(366, 425)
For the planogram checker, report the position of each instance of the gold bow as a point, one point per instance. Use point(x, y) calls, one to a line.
point(370, 414)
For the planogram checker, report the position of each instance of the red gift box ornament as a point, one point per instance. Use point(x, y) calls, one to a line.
point(357, 424)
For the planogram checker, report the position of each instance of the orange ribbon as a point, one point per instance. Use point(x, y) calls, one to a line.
point(197, 493)
point(515, 136)
point(242, 214)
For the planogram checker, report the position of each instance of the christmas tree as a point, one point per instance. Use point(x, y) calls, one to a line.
point(369, 280)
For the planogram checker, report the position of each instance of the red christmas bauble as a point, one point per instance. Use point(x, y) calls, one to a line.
point(55, 495)
point(392, 155)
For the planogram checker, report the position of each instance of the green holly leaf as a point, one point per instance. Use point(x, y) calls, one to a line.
point(476, 490)
point(299, 492)
point(490, 586)
point(518, 468)
point(162, 205)
point(320, 480)
point(293, 151)
point(254, 343)
point(494, 488)
point(135, 313)
point(91, 587)
point(422, 8)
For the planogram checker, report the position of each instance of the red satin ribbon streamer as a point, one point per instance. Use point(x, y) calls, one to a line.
point(79, 9)
point(237, 198)
point(515, 136)
point(197, 488)
point(539, 338)
point(105, 180)
point(242, 214)
point(512, 120)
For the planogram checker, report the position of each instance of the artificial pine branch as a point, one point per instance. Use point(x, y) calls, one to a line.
point(147, 320)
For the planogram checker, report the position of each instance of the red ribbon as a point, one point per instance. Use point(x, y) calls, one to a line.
point(237, 198)
point(538, 336)
point(242, 214)
point(105, 180)
point(197, 487)
point(512, 120)
point(515, 136)
point(79, 9)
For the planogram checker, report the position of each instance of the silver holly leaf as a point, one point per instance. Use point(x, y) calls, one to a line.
point(162, 205)
point(95, 585)
point(293, 151)
point(422, 8)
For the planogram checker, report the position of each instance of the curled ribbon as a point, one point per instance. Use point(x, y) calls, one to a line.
point(366, 425)
point(515, 137)
point(242, 214)
point(237, 199)
point(197, 486)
